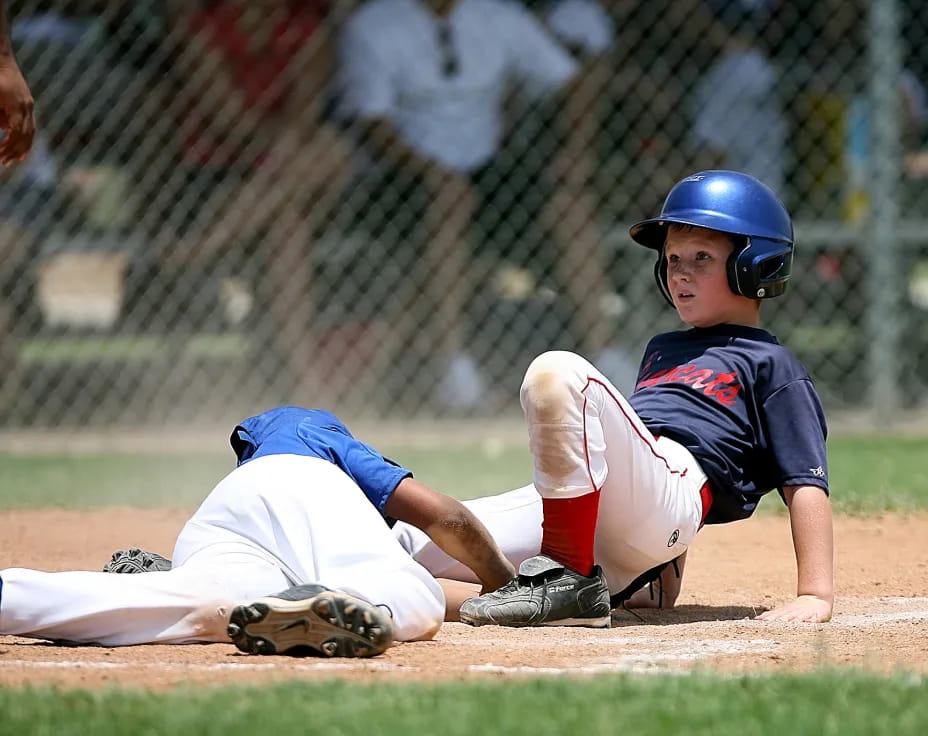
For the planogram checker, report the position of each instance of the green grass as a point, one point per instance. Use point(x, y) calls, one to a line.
point(83, 481)
point(868, 475)
point(823, 704)
point(875, 474)
point(76, 349)
point(95, 480)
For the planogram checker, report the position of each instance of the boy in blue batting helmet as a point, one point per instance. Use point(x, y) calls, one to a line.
point(721, 414)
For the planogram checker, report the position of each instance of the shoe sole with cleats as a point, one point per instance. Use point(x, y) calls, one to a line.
point(329, 624)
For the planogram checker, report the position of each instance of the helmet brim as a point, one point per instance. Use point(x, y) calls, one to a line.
point(653, 232)
point(650, 233)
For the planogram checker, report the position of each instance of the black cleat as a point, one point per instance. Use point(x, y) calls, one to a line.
point(544, 593)
point(311, 620)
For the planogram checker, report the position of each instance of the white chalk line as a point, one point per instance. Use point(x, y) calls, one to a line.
point(187, 667)
point(692, 650)
point(650, 660)
point(645, 662)
point(840, 621)
point(879, 619)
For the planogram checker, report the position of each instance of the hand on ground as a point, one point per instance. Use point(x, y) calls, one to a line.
point(806, 608)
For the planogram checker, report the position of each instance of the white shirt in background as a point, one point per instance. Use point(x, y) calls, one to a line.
point(738, 112)
point(582, 24)
point(392, 67)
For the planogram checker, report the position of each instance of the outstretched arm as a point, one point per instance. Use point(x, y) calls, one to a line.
point(813, 541)
point(16, 105)
point(453, 527)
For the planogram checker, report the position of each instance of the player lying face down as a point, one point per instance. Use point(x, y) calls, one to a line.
point(291, 552)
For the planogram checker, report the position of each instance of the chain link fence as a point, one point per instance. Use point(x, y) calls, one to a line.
point(387, 208)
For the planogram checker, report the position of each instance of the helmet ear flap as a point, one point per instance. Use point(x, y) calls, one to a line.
point(660, 276)
point(761, 269)
point(731, 266)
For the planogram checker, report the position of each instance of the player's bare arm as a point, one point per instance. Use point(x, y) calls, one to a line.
point(813, 540)
point(453, 528)
point(16, 104)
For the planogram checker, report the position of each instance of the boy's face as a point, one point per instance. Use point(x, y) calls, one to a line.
point(698, 281)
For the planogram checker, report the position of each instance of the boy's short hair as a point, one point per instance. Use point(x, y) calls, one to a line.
point(683, 227)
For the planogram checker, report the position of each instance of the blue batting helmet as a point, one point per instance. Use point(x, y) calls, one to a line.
point(734, 203)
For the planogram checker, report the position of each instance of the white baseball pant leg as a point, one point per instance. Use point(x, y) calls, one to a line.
point(584, 436)
point(272, 523)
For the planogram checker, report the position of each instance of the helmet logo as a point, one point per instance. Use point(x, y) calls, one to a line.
point(761, 291)
point(695, 177)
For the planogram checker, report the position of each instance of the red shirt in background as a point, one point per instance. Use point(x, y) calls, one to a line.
point(258, 70)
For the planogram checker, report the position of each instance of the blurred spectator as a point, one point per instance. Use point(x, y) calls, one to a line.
point(658, 53)
point(27, 193)
point(587, 31)
point(430, 79)
point(262, 159)
point(822, 62)
point(42, 197)
point(738, 120)
point(913, 105)
point(582, 26)
point(96, 107)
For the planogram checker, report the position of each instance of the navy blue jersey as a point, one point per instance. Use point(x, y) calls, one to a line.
point(290, 430)
point(742, 404)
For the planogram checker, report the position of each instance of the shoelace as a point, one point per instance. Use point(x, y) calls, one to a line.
point(386, 607)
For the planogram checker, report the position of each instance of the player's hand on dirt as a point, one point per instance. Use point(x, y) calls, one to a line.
point(16, 114)
point(806, 608)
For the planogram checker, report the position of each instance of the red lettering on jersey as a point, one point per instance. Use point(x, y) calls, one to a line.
point(728, 395)
point(723, 387)
point(699, 378)
point(652, 380)
point(720, 380)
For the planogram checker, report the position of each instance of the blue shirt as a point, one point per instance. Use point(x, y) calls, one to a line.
point(742, 404)
point(290, 430)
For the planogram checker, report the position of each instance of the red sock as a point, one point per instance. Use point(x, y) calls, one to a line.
point(568, 527)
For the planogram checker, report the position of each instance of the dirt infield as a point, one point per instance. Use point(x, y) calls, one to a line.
point(733, 571)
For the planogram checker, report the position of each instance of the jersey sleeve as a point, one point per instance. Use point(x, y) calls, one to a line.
point(541, 63)
point(376, 475)
point(583, 25)
point(796, 431)
point(365, 85)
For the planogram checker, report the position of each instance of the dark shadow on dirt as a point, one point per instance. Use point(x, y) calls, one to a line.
point(682, 615)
